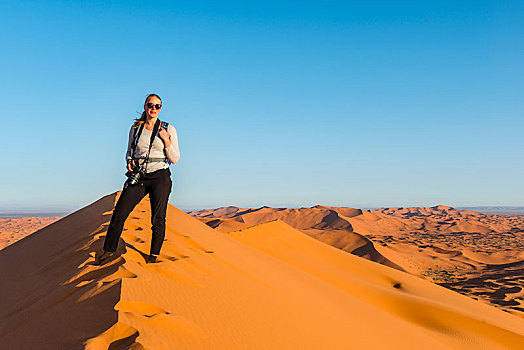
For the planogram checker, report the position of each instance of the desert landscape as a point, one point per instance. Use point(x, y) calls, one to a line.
point(14, 229)
point(263, 284)
point(328, 175)
point(478, 255)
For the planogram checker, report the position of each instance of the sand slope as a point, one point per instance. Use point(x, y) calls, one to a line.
point(265, 287)
point(478, 255)
point(331, 225)
point(49, 299)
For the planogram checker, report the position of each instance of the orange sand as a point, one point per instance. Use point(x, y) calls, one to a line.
point(12, 230)
point(265, 287)
point(475, 254)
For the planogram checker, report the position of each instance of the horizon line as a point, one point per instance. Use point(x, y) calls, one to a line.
point(65, 212)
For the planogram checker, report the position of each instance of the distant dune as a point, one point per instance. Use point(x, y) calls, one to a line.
point(269, 286)
point(329, 225)
point(478, 255)
point(500, 210)
point(12, 230)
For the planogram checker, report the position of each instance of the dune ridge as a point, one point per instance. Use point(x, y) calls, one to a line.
point(266, 287)
point(454, 248)
point(330, 225)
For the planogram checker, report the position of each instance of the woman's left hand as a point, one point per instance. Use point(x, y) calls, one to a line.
point(164, 135)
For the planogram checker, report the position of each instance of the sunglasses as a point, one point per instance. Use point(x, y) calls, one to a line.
point(150, 105)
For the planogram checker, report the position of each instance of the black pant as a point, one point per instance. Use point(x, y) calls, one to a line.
point(158, 185)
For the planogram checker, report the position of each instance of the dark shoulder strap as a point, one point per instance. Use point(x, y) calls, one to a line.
point(153, 135)
point(138, 132)
point(155, 131)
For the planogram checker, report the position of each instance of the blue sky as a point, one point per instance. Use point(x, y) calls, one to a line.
point(351, 103)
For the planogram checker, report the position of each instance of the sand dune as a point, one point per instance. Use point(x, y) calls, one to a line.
point(12, 230)
point(266, 287)
point(313, 218)
point(327, 224)
point(454, 248)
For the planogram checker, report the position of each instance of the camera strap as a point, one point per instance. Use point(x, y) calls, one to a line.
point(138, 132)
point(137, 137)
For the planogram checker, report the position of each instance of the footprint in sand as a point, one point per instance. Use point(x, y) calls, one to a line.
point(141, 308)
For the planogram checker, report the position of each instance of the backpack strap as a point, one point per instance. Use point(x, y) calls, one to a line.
point(165, 125)
point(138, 132)
point(154, 133)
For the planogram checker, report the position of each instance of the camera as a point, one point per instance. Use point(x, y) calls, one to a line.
point(134, 176)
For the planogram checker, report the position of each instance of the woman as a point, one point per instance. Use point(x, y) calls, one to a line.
point(152, 145)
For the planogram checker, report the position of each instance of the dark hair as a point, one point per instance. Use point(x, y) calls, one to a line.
point(142, 118)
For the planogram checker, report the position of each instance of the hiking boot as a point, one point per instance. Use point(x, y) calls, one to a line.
point(151, 259)
point(102, 259)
